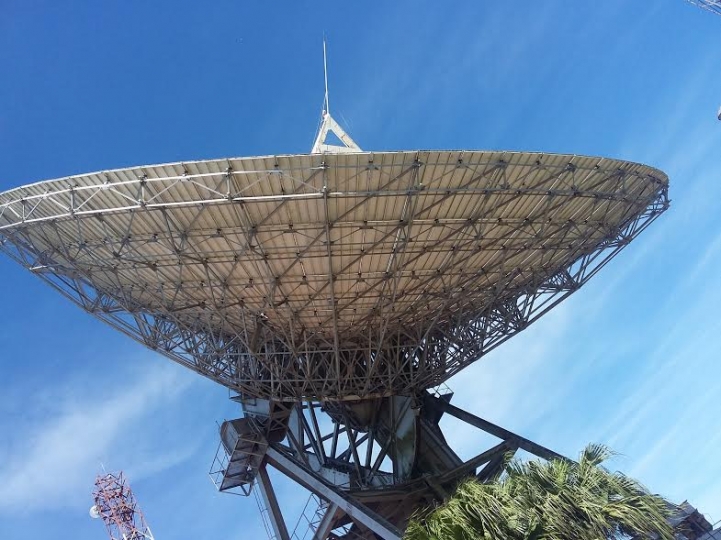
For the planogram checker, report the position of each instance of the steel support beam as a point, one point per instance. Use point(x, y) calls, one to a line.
point(498, 431)
point(326, 524)
point(355, 510)
point(492, 470)
point(271, 503)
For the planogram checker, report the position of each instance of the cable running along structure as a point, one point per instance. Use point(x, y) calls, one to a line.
point(334, 292)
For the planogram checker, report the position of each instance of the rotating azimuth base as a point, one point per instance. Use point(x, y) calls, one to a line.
point(370, 464)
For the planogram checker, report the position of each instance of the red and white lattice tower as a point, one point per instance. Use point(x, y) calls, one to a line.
point(115, 504)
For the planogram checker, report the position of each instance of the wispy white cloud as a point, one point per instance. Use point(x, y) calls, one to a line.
point(511, 385)
point(688, 158)
point(57, 454)
point(647, 387)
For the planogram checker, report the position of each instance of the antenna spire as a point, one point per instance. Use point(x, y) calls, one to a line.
point(329, 125)
point(325, 75)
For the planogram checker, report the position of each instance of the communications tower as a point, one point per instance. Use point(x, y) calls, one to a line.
point(115, 504)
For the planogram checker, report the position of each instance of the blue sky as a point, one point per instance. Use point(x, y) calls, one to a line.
point(631, 360)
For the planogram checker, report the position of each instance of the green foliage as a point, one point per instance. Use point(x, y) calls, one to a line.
point(549, 500)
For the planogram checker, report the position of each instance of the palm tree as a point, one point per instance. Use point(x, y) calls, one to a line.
point(549, 500)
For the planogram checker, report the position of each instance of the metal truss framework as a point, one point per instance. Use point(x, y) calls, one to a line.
point(115, 504)
point(337, 277)
point(331, 291)
point(370, 465)
point(714, 6)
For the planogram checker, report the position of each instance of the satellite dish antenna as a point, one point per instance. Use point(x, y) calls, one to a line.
point(392, 272)
point(94, 511)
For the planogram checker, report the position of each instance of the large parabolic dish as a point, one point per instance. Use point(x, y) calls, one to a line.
point(330, 276)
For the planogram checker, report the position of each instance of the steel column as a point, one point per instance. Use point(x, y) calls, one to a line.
point(326, 524)
point(271, 503)
point(355, 510)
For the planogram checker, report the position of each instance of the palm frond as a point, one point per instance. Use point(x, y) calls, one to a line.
point(549, 500)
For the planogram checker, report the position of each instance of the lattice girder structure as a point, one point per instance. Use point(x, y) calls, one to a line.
point(115, 504)
point(371, 463)
point(343, 276)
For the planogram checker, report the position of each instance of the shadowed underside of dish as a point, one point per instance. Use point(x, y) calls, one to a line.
point(330, 276)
